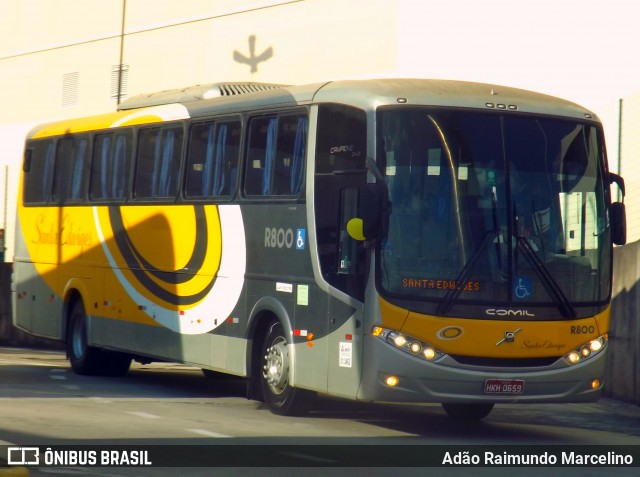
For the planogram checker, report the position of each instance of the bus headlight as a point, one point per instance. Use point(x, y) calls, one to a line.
point(408, 344)
point(587, 350)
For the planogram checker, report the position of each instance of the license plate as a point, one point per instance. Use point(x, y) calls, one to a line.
point(504, 386)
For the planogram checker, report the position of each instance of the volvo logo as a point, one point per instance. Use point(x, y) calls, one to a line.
point(509, 337)
point(504, 312)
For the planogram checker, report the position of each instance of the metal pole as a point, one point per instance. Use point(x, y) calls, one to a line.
point(124, 13)
point(4, 217)
point(620, 105)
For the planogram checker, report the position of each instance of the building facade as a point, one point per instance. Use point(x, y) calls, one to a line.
point(69, 58)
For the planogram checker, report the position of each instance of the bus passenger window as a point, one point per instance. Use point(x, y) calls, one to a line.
point(110, 166)
point(289, 158)
point(38, 171)
point(262, 137)
point(158, 162)
point(276, 155)
point(69, 176)
point(212, 164)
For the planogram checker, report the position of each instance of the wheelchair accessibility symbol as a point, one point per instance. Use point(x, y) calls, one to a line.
point(522, 287)
point(301, 238)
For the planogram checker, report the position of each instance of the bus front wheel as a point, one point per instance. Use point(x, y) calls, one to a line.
point(467, 411)
point(281, 398)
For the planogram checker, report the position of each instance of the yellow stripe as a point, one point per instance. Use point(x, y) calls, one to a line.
point(104, 121)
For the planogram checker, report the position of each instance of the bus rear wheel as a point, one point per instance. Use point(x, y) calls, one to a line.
point(281, 398)
point(467, 411)
point(87, 360)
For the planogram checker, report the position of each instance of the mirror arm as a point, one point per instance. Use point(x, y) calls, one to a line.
point(618, 180)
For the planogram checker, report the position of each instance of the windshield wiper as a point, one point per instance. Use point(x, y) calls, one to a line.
point(560, 299)
point(490, 236)
point(453, 293)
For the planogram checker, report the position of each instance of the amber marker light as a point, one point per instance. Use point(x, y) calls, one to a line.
point(595, 384)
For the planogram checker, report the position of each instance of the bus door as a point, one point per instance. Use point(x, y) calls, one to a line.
point(340, 172)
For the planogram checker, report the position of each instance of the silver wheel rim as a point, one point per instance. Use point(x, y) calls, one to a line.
point(276, 367)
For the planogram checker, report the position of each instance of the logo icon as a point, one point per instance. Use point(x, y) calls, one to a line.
point(23, 456)
point(450, 333)
point(509, 337)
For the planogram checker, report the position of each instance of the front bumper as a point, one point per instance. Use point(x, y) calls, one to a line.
point(420, 381)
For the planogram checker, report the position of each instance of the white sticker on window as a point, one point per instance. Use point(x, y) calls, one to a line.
point(433, 162)
point(463, 172)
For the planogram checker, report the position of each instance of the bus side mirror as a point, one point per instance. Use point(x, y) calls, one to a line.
point(618, 223)
point(618, 213)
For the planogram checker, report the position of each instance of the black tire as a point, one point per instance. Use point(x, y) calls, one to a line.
point(87, 360)
point(281, 398)
point(467, 411)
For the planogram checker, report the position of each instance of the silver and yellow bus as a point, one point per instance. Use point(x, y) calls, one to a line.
point(399, 240)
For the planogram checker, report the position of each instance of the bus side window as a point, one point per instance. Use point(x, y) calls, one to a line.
point(213, 159)
point(110, 166)
point(289, 158)
point(262, 138)
point(69, 176)
point(158, 162)
point(276, 155)
point(38, 172)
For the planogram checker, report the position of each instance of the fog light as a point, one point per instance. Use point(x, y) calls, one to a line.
point(391, 381)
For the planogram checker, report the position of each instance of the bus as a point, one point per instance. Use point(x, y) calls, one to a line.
point(388, 240)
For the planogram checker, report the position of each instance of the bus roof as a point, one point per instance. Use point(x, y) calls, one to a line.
point(371, 93)
point(366, 94)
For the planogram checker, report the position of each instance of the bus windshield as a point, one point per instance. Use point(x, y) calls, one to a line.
point(493, 208)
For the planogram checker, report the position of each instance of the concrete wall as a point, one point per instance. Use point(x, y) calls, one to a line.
point(623, 381)
point(624, 335)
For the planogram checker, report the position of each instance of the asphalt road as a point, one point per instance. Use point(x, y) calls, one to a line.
point(42, 403)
